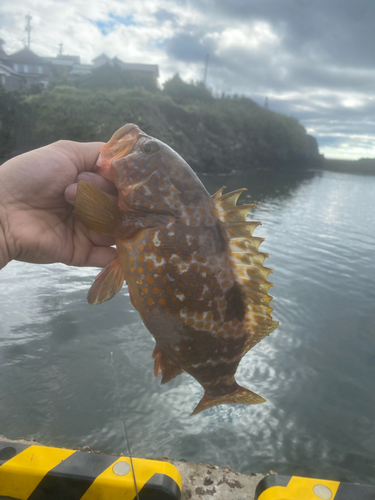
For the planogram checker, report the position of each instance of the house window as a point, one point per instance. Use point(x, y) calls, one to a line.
point(40, 70)
point(15, 67)
point(25, 68)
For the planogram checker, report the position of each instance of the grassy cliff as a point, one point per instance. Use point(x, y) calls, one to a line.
point(212, 134)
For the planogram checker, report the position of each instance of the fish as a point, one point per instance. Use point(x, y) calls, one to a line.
point(192, 265)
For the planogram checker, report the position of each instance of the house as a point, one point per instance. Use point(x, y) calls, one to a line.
point(25, 69)
point(111, 74)
point(65, 64)
point(10, 79)
point(34, 70)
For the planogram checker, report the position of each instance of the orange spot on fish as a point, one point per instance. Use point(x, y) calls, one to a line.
point(141, 270)
point(149, 279)
point(150, 266)
point(141, 258)
point(163, 301)
point(145, 290)
point(150, 301)
point(156, 290)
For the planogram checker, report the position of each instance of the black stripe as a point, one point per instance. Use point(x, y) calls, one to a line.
point(10, 450)
point(72, 478)
point(269, 482)
point(160, 487)
point(348, 491)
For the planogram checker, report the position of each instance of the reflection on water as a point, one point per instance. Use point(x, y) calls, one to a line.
point(316, 370)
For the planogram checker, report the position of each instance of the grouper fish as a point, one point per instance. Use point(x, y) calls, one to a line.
point(193, 268)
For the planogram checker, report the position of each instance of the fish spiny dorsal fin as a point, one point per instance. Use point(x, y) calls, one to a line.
point(244, 229)
point(218, 194)
point(247, 264)
point(229, 201)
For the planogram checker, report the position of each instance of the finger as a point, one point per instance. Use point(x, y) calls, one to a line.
point(71, 193)
point(98, 181)
point(101, 256)
point(101, 240)
point(82, 154)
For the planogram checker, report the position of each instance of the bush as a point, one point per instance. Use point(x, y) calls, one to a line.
point(212, 134)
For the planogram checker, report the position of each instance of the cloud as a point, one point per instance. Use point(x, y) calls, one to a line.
point(313, 60)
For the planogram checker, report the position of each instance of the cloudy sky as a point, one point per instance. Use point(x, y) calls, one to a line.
point(314, 60)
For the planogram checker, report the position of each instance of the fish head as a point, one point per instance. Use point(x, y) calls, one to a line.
point(132, 158)
point(120, 144)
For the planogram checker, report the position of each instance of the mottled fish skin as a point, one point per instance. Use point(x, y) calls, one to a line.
point(185, 276)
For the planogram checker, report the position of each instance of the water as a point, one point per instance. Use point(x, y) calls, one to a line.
point(317, 370)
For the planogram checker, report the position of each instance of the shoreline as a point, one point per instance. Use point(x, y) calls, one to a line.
point(199, 481)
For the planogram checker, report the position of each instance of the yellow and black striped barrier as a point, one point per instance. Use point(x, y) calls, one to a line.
point(31, 472)
point(275, 487)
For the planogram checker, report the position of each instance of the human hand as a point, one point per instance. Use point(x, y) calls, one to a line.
point(37, 193)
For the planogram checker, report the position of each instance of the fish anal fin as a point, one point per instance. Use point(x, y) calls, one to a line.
point(240, 396)
point(157, 356)
point(95, 210)
point(107, 283)
point(164, 365)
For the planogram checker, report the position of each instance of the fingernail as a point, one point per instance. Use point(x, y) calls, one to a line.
point(84, 176)
point(71, 193)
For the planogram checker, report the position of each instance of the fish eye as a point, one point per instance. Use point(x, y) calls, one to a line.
point(150, 147)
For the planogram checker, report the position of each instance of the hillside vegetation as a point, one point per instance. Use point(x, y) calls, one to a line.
point(212, 134)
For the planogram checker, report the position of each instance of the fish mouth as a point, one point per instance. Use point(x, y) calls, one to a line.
point(120, 144)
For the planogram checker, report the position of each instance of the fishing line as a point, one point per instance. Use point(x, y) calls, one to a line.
point(124, 425)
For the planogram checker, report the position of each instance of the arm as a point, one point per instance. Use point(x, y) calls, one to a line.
point(37, 192)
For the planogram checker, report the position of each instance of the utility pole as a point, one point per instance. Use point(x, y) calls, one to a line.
point(28, 28)
point(205, 70)
point(60, 49)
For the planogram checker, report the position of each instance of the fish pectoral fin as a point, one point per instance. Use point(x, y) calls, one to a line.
point(96, 211)
point(107, 283)
point(240, 396)
point(164, 365)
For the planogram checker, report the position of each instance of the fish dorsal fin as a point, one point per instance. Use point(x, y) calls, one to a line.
point(247, 263)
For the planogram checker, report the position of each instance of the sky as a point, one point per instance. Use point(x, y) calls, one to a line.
point(314, 60)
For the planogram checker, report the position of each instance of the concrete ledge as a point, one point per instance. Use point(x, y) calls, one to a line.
point(199, 481)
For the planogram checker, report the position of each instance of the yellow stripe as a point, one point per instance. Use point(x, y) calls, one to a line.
point(109, 486)
point(300, 488)
point(20, 475)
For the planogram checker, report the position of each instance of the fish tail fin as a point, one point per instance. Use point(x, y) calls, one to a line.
point(240, 396)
